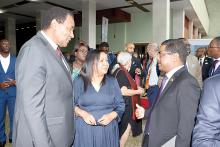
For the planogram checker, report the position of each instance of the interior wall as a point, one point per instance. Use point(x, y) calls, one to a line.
point(139, 30)
point(214, 21)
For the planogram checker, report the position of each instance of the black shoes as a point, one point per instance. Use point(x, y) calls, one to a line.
point(2, 144)
point(10, 140)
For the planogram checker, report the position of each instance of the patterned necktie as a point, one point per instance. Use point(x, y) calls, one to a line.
point(162, 86)
point(213, 67)
point(200, 61)
point(59, 53)
point(148, 75)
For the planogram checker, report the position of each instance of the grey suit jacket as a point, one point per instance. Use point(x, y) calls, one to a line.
point(44, 105)
point(194, 68)
point(175, 111)
point(206, 132)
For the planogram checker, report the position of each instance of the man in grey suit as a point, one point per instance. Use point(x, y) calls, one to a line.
point(206, 132)
point(44, 103)
point(171, 119)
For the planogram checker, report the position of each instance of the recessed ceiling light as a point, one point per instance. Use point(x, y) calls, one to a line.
point(2, 11)
point(34, 0)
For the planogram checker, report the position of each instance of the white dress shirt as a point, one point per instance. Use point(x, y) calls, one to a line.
point(171, 73)
point(5, 62)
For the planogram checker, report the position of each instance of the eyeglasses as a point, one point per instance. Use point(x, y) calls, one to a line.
point(83, 51)
point(164, 53)
point(213, 47)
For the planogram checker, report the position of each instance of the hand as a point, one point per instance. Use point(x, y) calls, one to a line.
point(11, 81)
point(124, 90)
point(139, 112)
point(5, 84)
point(138, 71)
point(88, 118)
point(107, 118)
point(140, 90)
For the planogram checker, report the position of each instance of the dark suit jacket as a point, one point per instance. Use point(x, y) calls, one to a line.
point(135, 63)
point(206, 67)
point(206, 131)
point(10, 91)
point(217, 71)
point(175, 110)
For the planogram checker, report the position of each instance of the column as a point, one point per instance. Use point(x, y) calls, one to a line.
point(200, 35)
point(161, 20)
point(196, 32)
point(190, 29)
point(178, 23)
point(10, 33)
point(89, 22)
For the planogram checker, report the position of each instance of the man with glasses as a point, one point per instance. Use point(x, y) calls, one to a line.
point(171, 119)
point(214, 52)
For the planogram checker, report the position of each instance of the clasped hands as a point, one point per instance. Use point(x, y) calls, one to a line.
point(104, 120)
point(8, 83)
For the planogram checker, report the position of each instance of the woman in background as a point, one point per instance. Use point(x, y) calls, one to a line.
point(81, 51)
point(98, 104)
point(126, 82)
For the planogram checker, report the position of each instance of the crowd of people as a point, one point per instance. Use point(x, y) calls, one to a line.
point(93, 100)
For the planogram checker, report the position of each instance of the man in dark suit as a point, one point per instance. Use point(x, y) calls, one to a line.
point(204, 61)
point(44, 103)
point(171, 120)
point(214, 52)
point(206, 131)
point(7, 88)
point(136, 67)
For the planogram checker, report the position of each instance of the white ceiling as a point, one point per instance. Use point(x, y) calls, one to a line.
point(33, 9)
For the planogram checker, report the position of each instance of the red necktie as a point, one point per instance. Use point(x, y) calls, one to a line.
point(59, 53)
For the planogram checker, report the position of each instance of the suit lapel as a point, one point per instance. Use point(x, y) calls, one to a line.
point(1, 68)
point(53, 53)
point(217, 71)
point(170, 82)
point(10, 65)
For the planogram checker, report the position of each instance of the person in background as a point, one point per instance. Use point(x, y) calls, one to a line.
point(136, 67)
point(214, 52)
point(7, 89)
point(112, 60)
point(206, 131)
point(152, 73)
point(192, 63)
point(171, 119)
point(120, 72)
point(81, 51)
point(204, 61)
point(98, 104)
point(44, 102)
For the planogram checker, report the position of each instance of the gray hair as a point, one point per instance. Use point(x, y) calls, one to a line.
point(153, 45)
point(123, 57)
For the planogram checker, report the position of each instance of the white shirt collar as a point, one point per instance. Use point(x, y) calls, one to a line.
point(170, 73)
point(52, 43)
